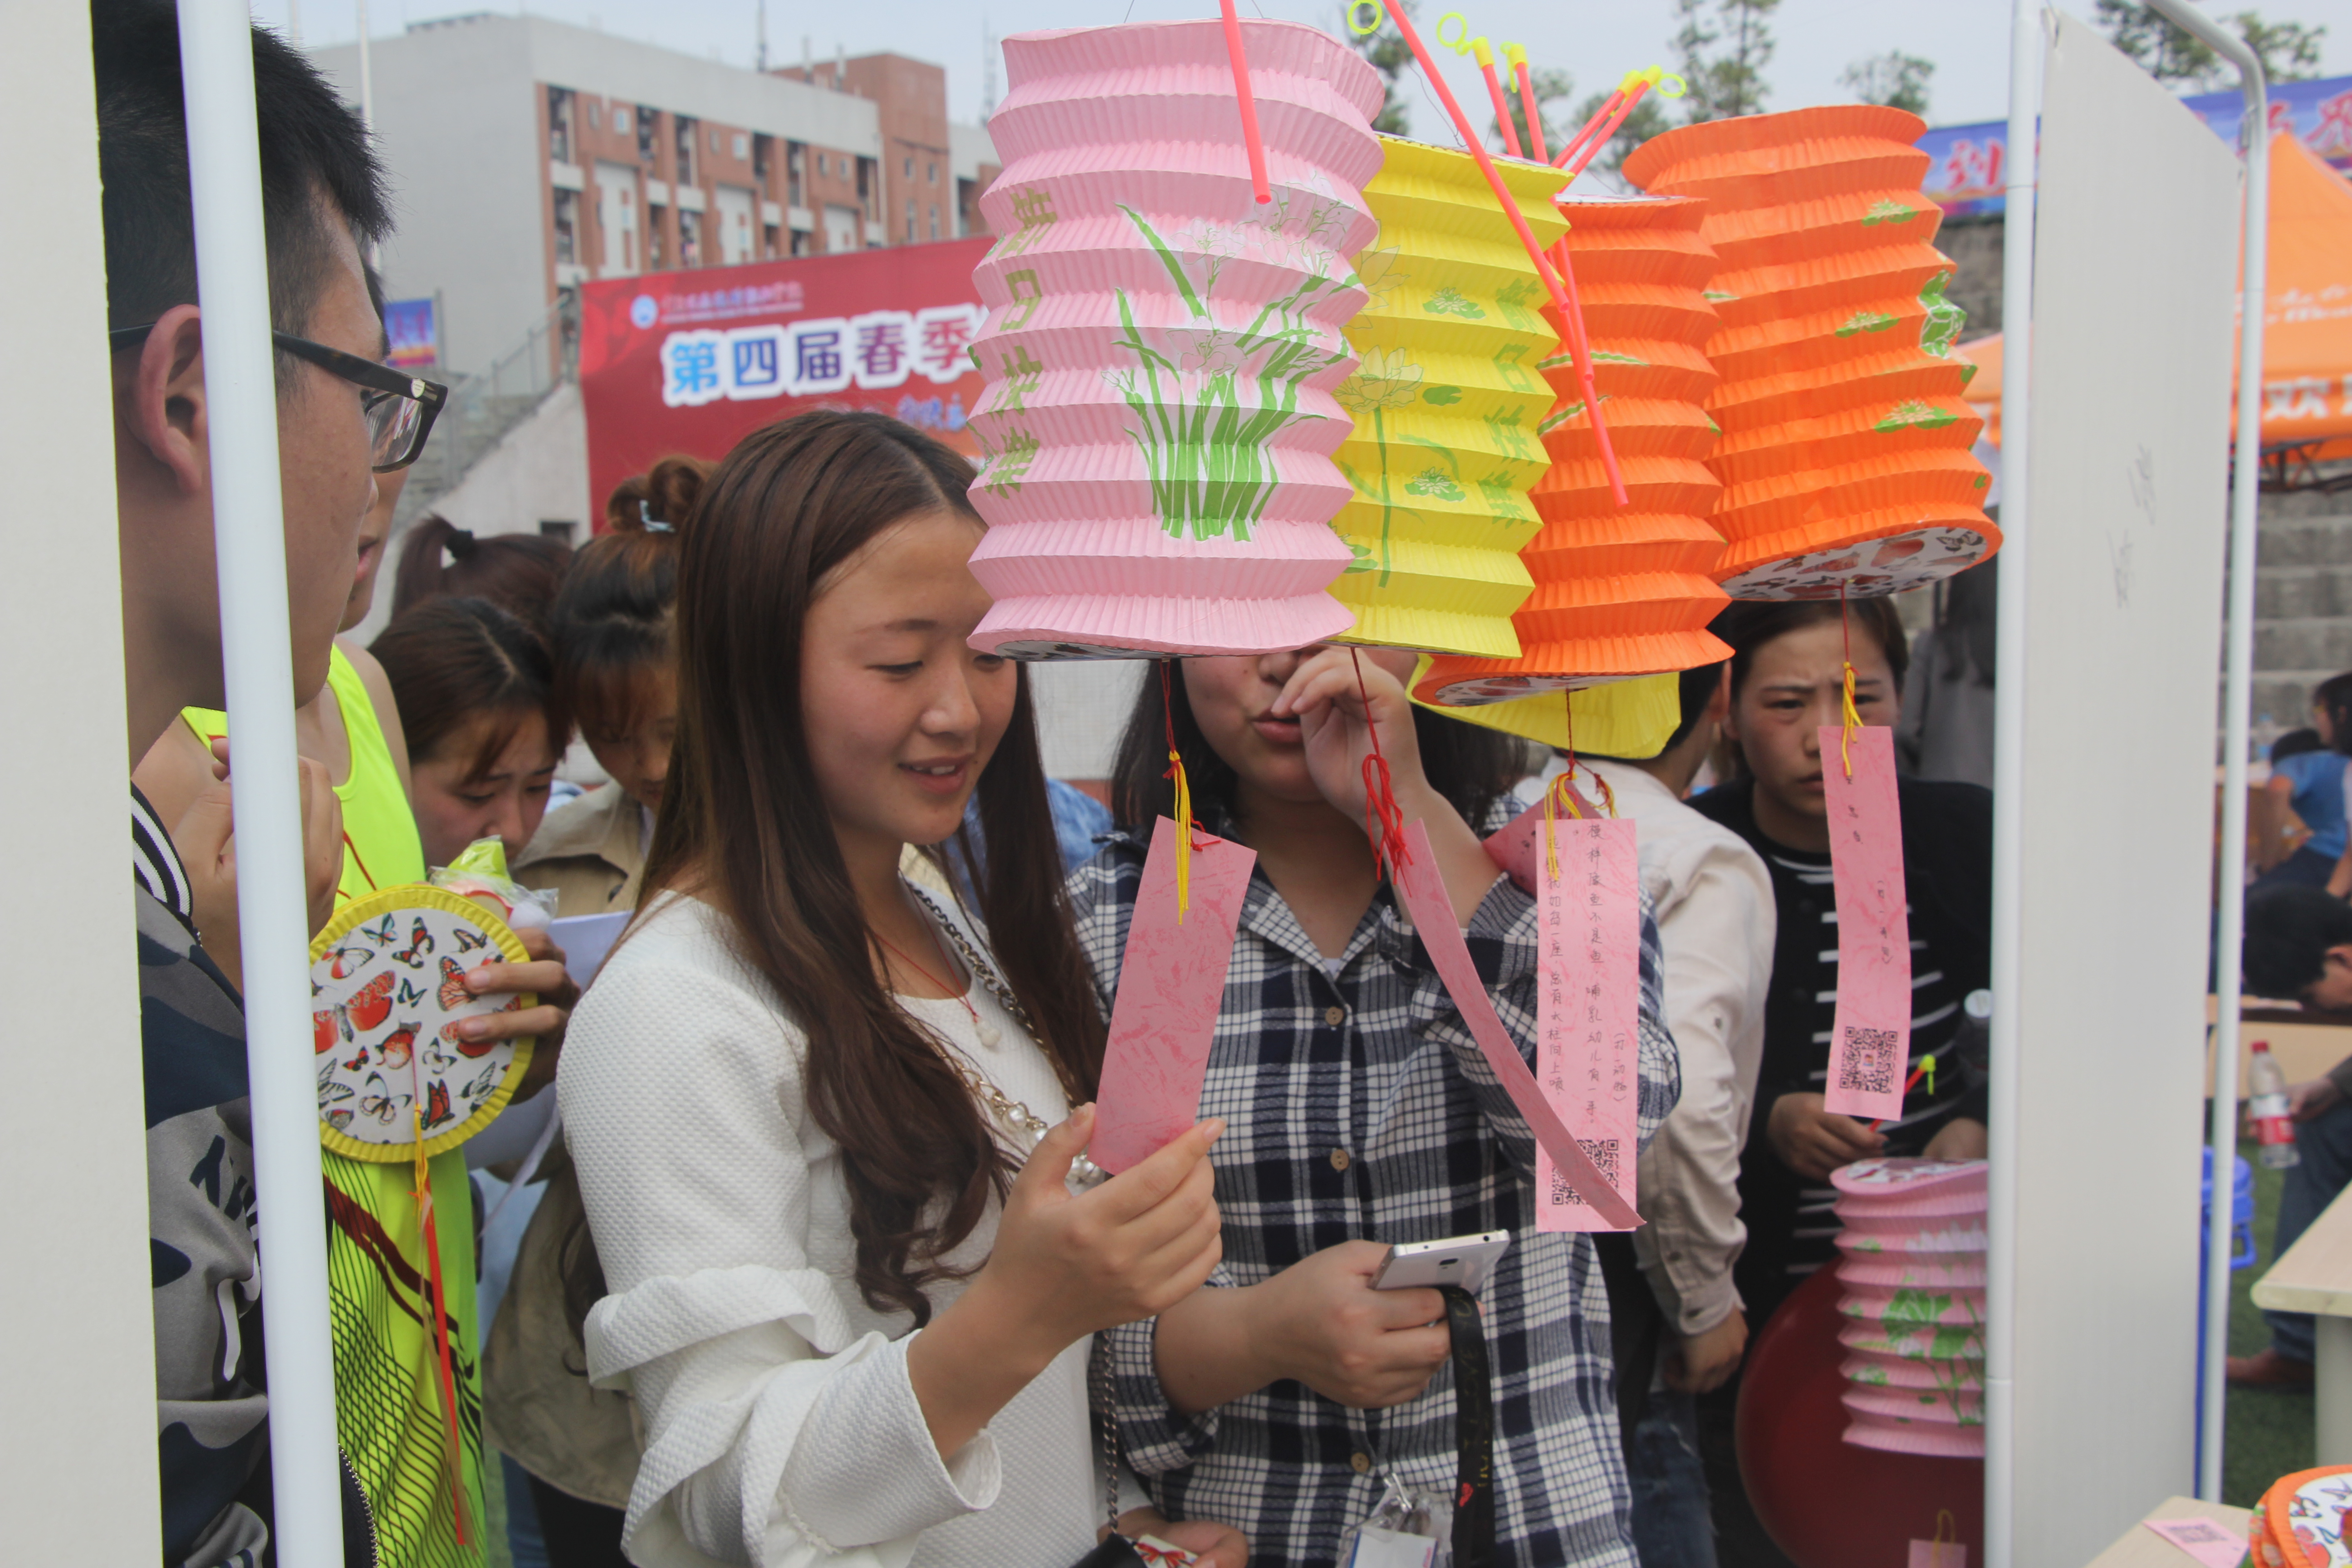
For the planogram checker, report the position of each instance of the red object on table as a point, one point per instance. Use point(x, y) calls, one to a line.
point(1826, 1502)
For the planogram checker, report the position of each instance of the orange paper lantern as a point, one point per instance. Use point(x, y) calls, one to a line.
point(1619, 591)
point(1844, 453)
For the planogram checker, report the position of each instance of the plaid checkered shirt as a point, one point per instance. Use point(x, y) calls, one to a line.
point(1359, 1106)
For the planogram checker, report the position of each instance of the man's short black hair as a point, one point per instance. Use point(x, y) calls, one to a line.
point(313, 147)
point(2288, 933)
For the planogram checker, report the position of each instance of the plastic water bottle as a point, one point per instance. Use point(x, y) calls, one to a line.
point(2267, 1108)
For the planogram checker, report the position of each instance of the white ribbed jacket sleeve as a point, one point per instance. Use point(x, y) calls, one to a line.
point(775, 1433)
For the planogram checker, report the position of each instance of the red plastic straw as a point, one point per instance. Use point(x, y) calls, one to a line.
point(1600, 128)
point(1563, 293)
point(1502, 104)
point(1585, 131)
point(1534, 120)
point(1250, 138)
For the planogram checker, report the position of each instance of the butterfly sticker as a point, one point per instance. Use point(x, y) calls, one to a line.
point(397, 1046)
point(484, 1084)
point(468, 940)
point(436, 1103)
point(435, 1060)
point(340, 1120)
point(470, 1049)
point(349, 961)
point(454, 994)
point(322, 1032)
point(330, 1091)
point(410, 994)
point(380, 1102)
point(357, 1062)
point(369, 1006)
point(419, 939)
point(382, 933)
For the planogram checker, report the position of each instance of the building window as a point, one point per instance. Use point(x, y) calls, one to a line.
point(567, 227)
point(656, 239)
point(558, 124)
point(795, 174)
point(742, 146)
point(909, 170)
point(596, 118)
point(910, 220)
point(935, 222)
point(620, 119)
point(825, 166)
point(684, 173)
point(562, 528)
point(714, 143)
point(931, 173)
point(646, 119)
point(689, 240)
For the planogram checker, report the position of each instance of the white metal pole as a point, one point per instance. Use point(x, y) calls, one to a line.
point(2237, 702)
point(2025, 52)
point(240, 387)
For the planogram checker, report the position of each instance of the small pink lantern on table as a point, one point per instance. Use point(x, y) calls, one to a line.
point(1161, 348)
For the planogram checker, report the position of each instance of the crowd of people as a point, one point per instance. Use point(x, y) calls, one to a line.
point(818, 1266)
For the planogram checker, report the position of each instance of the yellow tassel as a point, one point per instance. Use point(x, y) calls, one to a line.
point(1183, 836)
point(1853, 721)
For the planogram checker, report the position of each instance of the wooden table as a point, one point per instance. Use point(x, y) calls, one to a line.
point(2316, 1277)
point(2142, 1548)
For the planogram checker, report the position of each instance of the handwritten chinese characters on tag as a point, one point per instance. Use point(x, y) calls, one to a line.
point(1588, 1006)
point(1870, 1038)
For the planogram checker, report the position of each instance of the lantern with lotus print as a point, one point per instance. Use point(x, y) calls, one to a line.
point(1844, 456)
point(1162, 350)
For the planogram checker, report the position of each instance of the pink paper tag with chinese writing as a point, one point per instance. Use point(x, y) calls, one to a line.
point(1170, 981)
point(1870, 1038)
point(1588, 1007)
point(1939, 1554)
point(2209, 1541)
point(1513, 846)
point(1422, 889)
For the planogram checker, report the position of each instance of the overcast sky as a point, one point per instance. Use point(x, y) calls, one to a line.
point(1595, 40)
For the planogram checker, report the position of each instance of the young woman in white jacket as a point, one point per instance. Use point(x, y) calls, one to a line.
point(824, 1124)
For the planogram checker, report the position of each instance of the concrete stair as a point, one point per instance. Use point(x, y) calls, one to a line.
point(2302, 604)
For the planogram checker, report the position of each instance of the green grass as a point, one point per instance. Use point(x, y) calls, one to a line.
point(2266, 1433)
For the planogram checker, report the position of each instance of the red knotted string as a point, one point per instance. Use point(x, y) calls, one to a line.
point(1250, 138)
point(1383, 818)
point(1185, 826)
point(1560, 283)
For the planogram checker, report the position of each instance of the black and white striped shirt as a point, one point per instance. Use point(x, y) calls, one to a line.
point(155, 864)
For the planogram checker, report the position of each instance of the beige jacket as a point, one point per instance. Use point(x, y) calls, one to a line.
point(590, 851)
point(1716, 922)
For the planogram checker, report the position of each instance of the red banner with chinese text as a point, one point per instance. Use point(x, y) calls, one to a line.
point(692, 361)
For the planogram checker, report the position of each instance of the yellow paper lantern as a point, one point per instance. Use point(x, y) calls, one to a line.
point(1624, 718)
point(1446, 404)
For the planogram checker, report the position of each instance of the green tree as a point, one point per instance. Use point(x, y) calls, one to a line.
point(1723, 47)
point(1385, 49)
point(1551, 87)
point(1894, 78)
point(2289, 50)
point(1648, 119)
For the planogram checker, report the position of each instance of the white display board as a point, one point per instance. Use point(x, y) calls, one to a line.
point(78, 1455)
point(2134, 270)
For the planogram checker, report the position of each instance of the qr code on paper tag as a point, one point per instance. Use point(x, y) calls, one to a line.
point(1869, 1063)
point(1603, 1154)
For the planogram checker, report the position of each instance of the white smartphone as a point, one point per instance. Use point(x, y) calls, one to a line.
point(1464, 1261)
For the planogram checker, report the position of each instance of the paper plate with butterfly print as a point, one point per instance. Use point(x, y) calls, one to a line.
point(387, 991)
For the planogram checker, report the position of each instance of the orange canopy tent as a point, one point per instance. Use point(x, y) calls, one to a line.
point(2307, 335)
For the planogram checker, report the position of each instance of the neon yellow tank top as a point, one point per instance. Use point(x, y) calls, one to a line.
point(379, 1286)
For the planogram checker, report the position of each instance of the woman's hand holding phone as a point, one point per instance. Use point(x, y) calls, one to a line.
point(1066, 1265)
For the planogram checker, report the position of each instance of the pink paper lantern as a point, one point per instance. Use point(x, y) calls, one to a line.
point(1161, 349)
point(1912, 1274)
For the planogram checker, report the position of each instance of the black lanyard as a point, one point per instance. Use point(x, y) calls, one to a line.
point(1473, 1432)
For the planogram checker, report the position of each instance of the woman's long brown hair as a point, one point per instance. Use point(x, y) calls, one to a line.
point(743, 821)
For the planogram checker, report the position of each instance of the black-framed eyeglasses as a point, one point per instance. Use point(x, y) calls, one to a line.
point(399, 408)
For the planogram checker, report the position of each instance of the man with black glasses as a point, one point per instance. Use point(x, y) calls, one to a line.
point(342, 416)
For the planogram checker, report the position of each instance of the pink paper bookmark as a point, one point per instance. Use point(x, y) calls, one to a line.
point(1588, 1007)
point(1419, 883)
point(1939, 1554)
point(2209, 1541)
point(1870, 1037)
point(1170, 981)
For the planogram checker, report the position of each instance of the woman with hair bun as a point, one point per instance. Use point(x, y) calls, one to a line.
point(519, 572)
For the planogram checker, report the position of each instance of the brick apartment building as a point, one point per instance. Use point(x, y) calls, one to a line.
point(528, 156)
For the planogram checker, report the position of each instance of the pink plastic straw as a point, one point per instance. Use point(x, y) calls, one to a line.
point(1561, 293)
point(1502, 106)
point(1535, 120)
point(1250, 138)
point(1599, 128)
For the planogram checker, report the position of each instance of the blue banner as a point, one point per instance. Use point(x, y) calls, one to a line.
point(1970, 161)
point(413, 331)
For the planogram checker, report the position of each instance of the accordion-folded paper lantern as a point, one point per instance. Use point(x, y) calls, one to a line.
point(1446, 404)
point(1619, 591)
point(1162, 350)
point(1911, 1268)
point(1844, 453)
point(1633, 718)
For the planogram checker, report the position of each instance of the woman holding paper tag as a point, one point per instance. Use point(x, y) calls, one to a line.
point(1363, 1113)
point(821, 1129)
